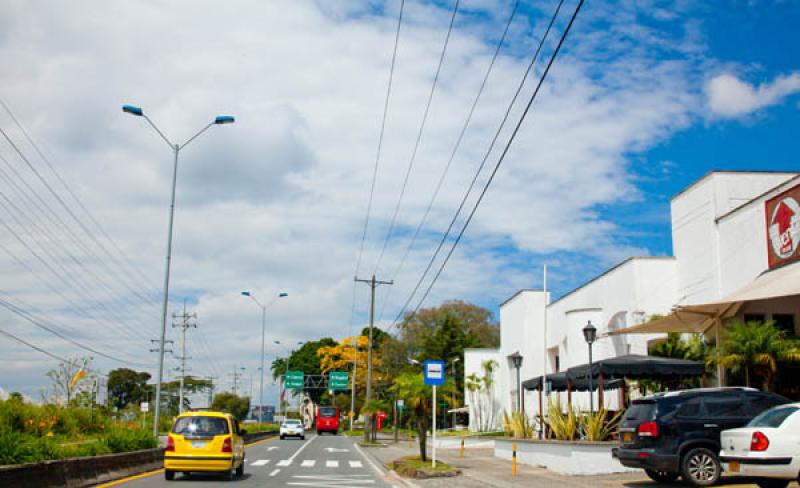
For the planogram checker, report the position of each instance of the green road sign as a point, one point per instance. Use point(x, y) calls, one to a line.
point(338, 380)
point(294, 380)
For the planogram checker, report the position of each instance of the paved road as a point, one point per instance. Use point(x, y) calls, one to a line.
point(319, 461)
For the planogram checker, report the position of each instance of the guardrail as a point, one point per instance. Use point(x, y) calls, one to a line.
point(92, 470)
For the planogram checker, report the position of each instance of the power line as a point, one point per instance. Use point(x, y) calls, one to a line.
point(380, 135)
point(499, 161)
point(452, 154)
point(55, 221)
point(74, 196)
point(30, 318)
point(377, 160)
point(419, 138)
point(64, 205)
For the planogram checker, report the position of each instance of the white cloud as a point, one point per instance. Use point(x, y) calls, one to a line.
point(730, 97)
point(276, 201)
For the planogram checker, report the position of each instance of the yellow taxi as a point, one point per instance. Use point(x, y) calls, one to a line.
point(205, 442)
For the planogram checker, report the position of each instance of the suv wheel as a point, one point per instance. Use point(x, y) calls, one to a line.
point(700, 467)
point(661, 476)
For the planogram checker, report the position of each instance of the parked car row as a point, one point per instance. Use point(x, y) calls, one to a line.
point(697, 434)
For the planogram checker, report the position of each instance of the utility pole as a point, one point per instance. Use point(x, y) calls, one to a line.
point(183, 325)
point(161, 351)
point(373, 284)
point(236, 376)
point(210, 390)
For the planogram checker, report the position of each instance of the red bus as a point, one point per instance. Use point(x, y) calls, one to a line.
point(327, 420)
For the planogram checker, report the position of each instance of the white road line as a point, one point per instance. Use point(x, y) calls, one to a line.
point(308, 463)
point(274, 472)
point(330, 481)
point(288, 462)
point(272, 448)
point(369, 461)
point(260, 462)
point(331, 464)
point(356, 464)
point(285, 462)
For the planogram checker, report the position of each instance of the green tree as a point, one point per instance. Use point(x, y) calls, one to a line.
point(417, 396)
point(126, 386)
point(231, 403)
point(475, 321)
point(756, 348)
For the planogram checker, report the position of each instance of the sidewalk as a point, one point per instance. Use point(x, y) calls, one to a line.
point(479, 468)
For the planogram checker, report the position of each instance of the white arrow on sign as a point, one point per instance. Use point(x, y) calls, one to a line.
point(333, 449)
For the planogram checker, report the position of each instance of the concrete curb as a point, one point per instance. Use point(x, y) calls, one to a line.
point(390, 474)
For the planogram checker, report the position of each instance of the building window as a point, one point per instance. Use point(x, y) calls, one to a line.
point(784, 321)
point(754, 317)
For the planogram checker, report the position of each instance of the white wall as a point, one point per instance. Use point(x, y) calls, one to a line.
point(702, 251)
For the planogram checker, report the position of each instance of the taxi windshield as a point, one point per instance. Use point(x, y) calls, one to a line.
point(200, 426)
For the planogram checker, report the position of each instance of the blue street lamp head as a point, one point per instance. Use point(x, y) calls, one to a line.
point(283, 294)
point(246, 293)
point(224, 119)
point(137, 111)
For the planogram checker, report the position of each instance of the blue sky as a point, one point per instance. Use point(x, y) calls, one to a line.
point(646, 98)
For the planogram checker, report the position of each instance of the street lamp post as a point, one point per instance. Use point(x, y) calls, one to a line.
point(176, 148)
point(516, 360)
point(263, 328)
point(590, 334)
point(286, 371)
point(455, 360)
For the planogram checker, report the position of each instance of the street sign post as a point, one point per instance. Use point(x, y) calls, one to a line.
point(294, 380)
point(338, 380)
point(434, 376)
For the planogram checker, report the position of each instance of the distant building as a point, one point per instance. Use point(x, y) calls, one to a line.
point(721, 244)
point(269, 412)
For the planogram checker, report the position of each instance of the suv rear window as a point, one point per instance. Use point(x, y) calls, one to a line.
point(201, 426)
point(773, 418)
point(641, 411)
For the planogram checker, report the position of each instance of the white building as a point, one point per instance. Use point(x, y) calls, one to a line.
point(720, 242)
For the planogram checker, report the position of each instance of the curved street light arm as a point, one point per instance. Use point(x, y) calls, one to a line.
point(195, 136)
point(155, 127)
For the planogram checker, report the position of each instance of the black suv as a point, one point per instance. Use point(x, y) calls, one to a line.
point(677, 433)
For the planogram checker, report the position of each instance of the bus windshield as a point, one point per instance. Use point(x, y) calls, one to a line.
point(327, 412)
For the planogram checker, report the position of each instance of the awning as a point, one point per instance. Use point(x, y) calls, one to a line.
point(634, 366)
point(776, 283)
point(564, 381)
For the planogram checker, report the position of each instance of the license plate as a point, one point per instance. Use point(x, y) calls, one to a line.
point(198, 444)
point(627, 436)
point(733, 467)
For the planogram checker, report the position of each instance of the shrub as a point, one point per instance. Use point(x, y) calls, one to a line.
point(517, 425)
point(596, 426)
point(564, 426)
point(122, 439)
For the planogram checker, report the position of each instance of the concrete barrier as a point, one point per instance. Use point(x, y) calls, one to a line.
point(82, 471)
point(91, 470)
point(565, 457)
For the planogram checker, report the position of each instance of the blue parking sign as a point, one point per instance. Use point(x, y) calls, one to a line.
point(434, 372)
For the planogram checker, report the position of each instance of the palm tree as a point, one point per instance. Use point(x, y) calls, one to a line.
point(757, 347)
point(417, 395)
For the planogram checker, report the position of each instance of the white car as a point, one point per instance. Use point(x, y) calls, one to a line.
point(767, 448)
point(292, 428)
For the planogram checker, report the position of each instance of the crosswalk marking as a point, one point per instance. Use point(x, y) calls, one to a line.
point(308, 463)
point(260, 462)
point(274, 472)
point(331, 481)
point(285, 462)
point(331, 464)
point(356, 464)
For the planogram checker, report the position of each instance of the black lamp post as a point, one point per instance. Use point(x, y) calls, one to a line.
point(590, 334)
point(516, 360)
